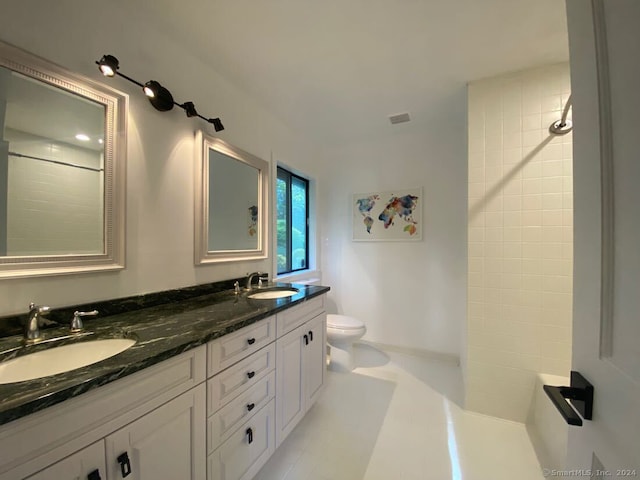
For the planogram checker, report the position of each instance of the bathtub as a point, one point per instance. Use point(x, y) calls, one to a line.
point(547, 430)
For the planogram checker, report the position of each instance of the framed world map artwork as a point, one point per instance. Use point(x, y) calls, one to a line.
point(394, 215)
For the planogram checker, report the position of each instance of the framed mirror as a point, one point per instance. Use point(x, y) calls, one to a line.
point(62, 169)
point(231, 203)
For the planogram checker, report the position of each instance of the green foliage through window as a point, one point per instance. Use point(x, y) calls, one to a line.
point(292, 209)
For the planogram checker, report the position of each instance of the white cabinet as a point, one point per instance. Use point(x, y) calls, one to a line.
point(167, 443)
point(240, 402)
point(158, 404)
point(315, 365)
point(289, 382)
point(228, 384)
point(300, 367)
point(214, 412)
point(229, 349)
point(229, 418)
point(247, 449)
point(87, 464)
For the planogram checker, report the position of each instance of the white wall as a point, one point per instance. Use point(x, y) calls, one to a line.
point(160, 169)
point(520, 239)
point(409, 294)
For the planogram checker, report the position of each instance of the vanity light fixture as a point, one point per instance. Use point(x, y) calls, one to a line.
point(159, 96)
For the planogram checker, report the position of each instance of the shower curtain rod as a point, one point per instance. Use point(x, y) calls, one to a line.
point(57, 162)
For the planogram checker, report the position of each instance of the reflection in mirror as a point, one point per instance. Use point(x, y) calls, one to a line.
point(233, 203)
point(230, 203)
point(55, 169)
point(61, 169)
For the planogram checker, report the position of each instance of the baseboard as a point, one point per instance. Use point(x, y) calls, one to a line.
point(416, 352)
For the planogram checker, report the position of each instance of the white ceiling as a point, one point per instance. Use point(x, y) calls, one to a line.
point(336, 69)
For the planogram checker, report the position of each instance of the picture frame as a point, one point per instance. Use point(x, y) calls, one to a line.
point(390, 215)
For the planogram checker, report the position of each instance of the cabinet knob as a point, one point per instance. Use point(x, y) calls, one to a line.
point(125, 464)
point(310, 336)
point(95, 475)
point(249, 433)
point(306, 339)
point(251, 406)
point(251, 341)
point(251, 374)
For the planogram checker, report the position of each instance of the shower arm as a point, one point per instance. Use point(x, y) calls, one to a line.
point(565, 112)
point(562, 126)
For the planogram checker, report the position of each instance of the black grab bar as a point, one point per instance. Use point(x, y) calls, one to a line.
point(581, 395)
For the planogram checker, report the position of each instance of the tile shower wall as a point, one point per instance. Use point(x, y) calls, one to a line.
point(44, 215)
point(520, 239)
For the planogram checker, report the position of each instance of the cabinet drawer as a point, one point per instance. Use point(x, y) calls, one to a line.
point(235, 380)
point(246, 450)
point(228, 418)
point(296, 316)
point(225, 351)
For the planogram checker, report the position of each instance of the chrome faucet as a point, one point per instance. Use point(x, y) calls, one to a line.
point(250, 278)
point(32, 330)
point(76, 323)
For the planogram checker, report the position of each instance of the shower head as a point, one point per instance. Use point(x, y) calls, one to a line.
point(562, 126)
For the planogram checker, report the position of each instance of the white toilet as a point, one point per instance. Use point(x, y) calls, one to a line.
point(342, 331)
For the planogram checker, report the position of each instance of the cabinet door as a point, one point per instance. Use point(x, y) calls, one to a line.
point(314, 359)
point(289, 382)
point(78, 466)
point(169, 442)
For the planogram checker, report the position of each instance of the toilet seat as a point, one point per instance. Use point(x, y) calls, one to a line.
point(343, 322)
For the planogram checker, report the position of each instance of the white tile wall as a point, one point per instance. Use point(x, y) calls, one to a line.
point(520, 239)
point(53, 209)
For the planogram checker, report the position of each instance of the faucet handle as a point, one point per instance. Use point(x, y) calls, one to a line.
point(39, 309)
point(76, 323)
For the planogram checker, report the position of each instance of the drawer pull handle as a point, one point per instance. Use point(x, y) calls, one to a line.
point(251, 341)
point(251, 406)
point(125, 464)
point(249, 435)
point(95, 475)
point(306, 339)
point(251, 374)
point(310, 336)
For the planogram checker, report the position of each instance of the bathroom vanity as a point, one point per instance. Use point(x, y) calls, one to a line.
point(211, 388)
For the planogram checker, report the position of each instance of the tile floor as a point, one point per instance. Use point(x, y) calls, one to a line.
point(399, 418)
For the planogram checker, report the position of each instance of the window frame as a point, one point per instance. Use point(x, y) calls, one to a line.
point(288, 176)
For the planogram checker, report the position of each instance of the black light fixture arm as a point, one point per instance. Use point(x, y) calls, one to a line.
point(159, 96)
point(129, 78)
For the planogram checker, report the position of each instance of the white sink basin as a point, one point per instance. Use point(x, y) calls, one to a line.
point(273, 293)
point(61, 359)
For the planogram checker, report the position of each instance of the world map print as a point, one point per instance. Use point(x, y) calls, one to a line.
point(387, 215)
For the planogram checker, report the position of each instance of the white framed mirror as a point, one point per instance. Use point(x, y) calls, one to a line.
point(230, 203)
point(62, 169)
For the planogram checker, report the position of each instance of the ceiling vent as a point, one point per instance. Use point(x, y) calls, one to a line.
point(400, 118)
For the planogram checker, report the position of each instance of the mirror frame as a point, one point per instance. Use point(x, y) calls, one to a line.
point(116, 108)
point(203, 255)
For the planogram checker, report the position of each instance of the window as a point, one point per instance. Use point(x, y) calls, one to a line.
point(292, 205)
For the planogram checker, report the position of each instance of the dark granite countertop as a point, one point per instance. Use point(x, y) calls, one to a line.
point(162, 331)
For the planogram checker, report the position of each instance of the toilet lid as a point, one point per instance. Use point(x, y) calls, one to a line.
point(343, 322)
